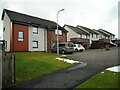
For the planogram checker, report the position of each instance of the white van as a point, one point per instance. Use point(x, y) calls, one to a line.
point(78, 47)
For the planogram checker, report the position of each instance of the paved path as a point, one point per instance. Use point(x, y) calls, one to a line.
point(97, 60)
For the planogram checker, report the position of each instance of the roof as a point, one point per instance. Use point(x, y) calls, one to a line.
point(104, 33)
point(77, 30)
point(30, 20)
point(88, 30)
point(96, 31)
point(107, 32)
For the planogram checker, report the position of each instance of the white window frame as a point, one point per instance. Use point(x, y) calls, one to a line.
point(35, 46)
point(20, 36)
point(35, 30)
point(60, 32)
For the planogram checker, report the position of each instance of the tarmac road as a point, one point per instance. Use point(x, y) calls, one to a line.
point(98, 56)
point(97, 61)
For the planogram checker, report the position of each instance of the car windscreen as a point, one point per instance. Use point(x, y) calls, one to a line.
point(70, 45)
point(61, 45)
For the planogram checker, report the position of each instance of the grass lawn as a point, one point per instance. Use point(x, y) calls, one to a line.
point(107, 79)
point(34, 64)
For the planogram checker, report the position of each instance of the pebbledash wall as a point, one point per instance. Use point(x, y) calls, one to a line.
point(7, 31)
point(41, 37)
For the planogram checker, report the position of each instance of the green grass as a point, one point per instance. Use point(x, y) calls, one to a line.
point(107, 79)
point(34, 64)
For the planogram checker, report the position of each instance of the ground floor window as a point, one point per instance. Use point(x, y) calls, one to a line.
point(35, 44)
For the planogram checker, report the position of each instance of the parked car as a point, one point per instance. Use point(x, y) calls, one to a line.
point(64, 47)
point(113, 44)
point(78, 47)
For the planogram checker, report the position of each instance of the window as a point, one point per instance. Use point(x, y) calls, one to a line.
point(86, 36)
point(74, 45)
point(35, 44)
point(4, 29)
point(35, 30)
point(20, 36)
point(96, 36)
point(5, 44)
point(92, 34)
point(70, 45)
point(59, 32)
point(61, 45)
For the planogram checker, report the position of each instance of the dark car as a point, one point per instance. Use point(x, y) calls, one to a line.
point(64, 47)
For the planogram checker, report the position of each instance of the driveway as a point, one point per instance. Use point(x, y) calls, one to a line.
point(97, 61)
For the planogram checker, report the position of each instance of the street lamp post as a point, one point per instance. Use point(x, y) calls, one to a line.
point(58, 32)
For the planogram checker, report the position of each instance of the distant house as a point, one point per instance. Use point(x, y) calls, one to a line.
point(77, 35)
point(107, 35)
point(94, 36)
point(104, 38)
point(23, 32)
point(103, 34)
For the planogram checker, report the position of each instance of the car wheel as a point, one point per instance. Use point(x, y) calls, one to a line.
point(76, 50)
point(63, 52)
point(81, 50)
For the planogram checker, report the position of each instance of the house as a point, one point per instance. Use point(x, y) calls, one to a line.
point(110, 35)
point(23, 32)
point(77, 35)
point(103, 34)
point(94, 36)
point(105, 38)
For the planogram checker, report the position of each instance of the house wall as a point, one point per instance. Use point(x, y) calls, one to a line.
point(51, 37)
point(19, 45)
point(84, 36)
point(41, 37)
point(93, 38)
point(71, 34)
point(7, 33)
point(112, 37)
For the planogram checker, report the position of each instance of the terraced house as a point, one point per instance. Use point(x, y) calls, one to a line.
point(94, 36)
point(106, 34)
point(78, 35)
point(23, 32)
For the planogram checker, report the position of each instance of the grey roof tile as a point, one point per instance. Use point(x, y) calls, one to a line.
point(78, 30)
point(30, 20)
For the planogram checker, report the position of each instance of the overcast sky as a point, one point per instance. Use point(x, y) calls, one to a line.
point(93, 14)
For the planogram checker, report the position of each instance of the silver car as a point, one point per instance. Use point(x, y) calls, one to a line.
point(64, 47)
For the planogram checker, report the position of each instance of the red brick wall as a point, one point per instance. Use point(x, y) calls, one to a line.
point(51, 36)
point(17, 45)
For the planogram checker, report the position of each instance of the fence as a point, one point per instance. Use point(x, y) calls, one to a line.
point(8, 67)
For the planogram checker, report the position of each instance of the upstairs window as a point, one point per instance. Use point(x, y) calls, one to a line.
point(96, 36)
point(5, 44)
point(4, 29)
point(59, 32)
point(92, 34)
point(20, 36)
point(35, 30)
